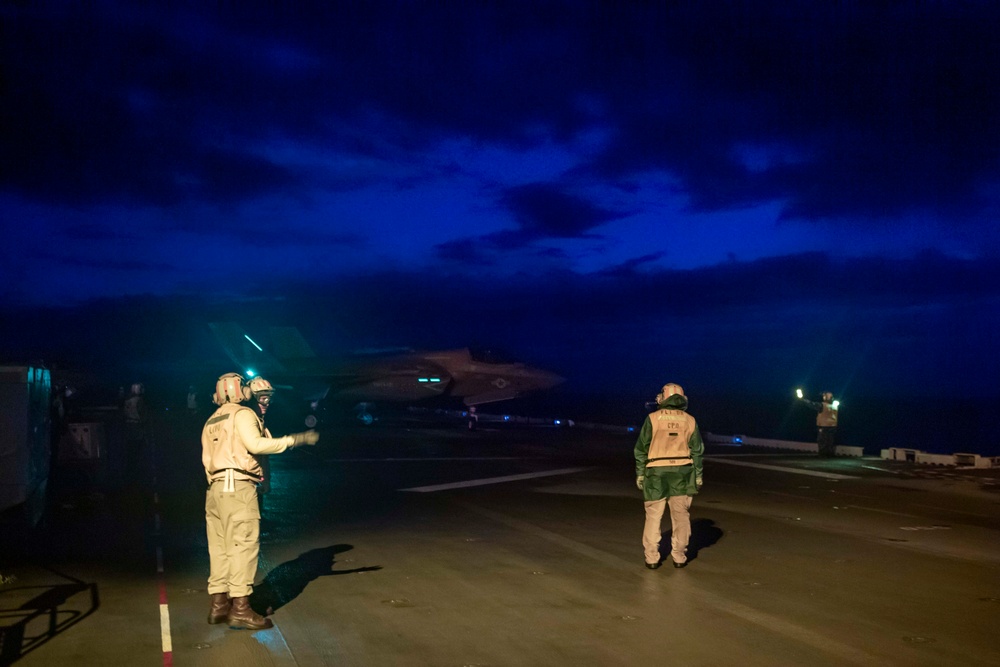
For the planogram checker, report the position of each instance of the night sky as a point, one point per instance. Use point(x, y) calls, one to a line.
point(743, 197)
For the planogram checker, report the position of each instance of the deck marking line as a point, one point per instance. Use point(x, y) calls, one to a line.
point(161, 584)
point(493, 480)
point(784, 455)
point(894, 472)
point(165, 629)
point(880, 511)
point(945, 509)
point(794, 471)
point(437, 458)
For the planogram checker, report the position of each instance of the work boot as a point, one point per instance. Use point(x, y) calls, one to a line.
point(242, 616)
point(220, 609)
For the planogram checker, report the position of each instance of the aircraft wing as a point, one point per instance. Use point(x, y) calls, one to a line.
point(491, 397)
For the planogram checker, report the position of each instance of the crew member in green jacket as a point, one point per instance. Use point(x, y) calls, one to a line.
point(668, 469)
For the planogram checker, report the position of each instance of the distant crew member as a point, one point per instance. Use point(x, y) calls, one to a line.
point(262, 392)
point(473, 418)
point(192, 401)
point(826, 423)
point(136, 414)
point(668, 468)
point(59, 426)
point(231, 441)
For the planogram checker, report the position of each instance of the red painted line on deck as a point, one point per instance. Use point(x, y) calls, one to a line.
point(166, 641)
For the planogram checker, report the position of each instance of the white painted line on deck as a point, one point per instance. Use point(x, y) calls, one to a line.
point(794, 471)
point(438, 458)
point(881, 511)
point(894, 472)
point(493, 480)
point(951, 511)
point(165, 629)
point(754, 454)
point(166, 641)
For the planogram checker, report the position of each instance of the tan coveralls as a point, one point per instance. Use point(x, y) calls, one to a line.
point(230, 442)
point(826, 423)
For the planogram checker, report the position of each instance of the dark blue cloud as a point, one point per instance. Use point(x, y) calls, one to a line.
point(543, 211)
point(867, 109)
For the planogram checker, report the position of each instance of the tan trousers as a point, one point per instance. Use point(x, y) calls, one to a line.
point(680, 523)
point(233, 524)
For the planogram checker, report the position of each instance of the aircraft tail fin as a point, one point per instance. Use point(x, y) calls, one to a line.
point(249, 357)
point(288, 343)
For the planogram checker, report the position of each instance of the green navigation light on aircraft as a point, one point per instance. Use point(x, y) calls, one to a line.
point(251, 373)
point(798, 392)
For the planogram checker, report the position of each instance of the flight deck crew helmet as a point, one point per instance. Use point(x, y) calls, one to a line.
point(138, 389)
point(827, 396)
point(231, 388)
point(261, 389)
point(669, 390)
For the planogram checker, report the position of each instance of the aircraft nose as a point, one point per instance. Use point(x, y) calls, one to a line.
point(547, 379)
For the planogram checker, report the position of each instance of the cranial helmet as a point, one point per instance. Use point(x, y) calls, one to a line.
point(231, 388)
point(668, 390)
point(259, 385)
point(137, 389)
point(827, 396)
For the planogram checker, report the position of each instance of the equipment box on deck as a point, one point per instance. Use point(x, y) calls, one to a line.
point(83, 441)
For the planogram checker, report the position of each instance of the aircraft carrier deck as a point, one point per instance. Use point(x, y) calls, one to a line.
point(422, 543)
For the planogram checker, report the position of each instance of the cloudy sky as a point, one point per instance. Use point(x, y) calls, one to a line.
point(739, 195)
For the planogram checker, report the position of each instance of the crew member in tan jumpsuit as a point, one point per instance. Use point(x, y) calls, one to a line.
point(668, 468)
point(827, 412)
point(230, 443)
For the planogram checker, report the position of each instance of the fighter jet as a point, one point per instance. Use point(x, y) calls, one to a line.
point(394, 376)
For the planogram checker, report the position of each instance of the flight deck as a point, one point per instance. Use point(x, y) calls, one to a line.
point(419, 542)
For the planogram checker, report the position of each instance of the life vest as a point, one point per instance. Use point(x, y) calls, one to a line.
point(222, 449)
point(827, 417)
point(672, 430)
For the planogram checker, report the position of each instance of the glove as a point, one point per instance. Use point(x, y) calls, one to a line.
point(698, 481)
point(306, 438)
point(638, 482)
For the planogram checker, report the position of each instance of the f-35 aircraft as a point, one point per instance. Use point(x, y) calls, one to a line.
point(396, 376)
